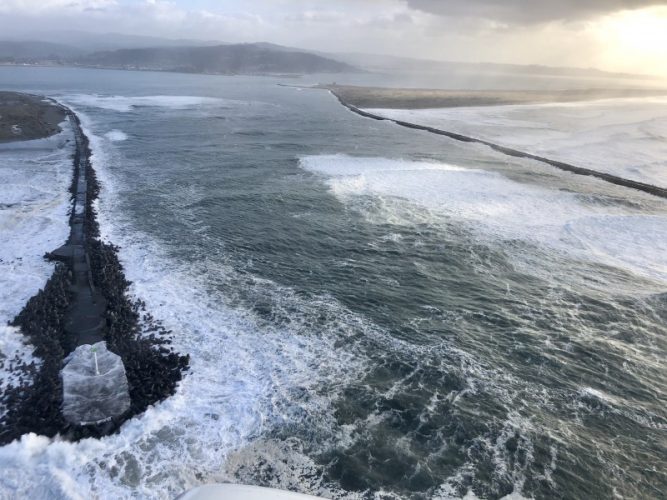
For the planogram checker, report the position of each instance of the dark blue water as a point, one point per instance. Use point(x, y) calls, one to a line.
point(371, 312)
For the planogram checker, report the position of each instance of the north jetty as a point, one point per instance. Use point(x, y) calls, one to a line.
point(104, 358)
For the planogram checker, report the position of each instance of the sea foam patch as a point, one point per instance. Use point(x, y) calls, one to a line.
point(125, 104)
point(624, 137)
point(247, 377)
point(639, 242)
point(34, 203)
point(116, 135)
point(493, 205)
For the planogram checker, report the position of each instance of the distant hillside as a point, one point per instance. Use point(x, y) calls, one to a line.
point(395, 64)
point(220, 59)
point(94, 42)
point(29, 51)
point(91, 42)
point(121, 51)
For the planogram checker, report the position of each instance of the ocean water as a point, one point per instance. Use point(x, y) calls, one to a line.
point(370, 311)
point(625, 137)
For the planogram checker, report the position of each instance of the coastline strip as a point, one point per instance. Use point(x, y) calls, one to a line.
point(613, 179)
point(25, 117)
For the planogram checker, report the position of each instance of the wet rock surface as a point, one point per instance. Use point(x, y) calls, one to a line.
point(153, 369)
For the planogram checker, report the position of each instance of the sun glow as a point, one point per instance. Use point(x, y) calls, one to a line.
point(635, 40)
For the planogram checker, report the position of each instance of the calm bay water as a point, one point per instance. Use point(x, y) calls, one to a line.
point(371, 312)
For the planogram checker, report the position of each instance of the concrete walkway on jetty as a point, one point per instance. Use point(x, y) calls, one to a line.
point(95, 387)
point(104, 358)
point(85, 321)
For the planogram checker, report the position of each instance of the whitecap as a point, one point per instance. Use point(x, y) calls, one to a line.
point(246, 376)
point(116, 135)
point(125, 104)
point(34, 203)
point(624, 137)
point(496, 208)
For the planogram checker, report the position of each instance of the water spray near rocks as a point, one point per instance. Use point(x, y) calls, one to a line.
point(99, 368)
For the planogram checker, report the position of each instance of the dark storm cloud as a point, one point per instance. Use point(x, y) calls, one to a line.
point(528, 11)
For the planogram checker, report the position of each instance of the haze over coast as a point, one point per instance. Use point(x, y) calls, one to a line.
point(118, 51)
point(388, 249)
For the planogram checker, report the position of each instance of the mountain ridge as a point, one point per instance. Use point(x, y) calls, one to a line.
point(217, 59)
point(113, 50)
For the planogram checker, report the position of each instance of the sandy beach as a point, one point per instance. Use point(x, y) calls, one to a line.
point(397, 98)
point(344, 93)
point(24, 117)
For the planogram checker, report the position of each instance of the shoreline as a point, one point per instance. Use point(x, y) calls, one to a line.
point(173, 71)
point(25, 117)
point(403, 98)
point(613, 179)
point(51, 319)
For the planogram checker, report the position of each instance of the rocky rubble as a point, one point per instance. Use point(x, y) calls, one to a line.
point(153, 368)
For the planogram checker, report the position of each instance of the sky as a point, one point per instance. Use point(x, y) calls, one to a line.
point(615, 35)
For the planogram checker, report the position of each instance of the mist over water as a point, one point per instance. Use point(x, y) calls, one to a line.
point(371, 312)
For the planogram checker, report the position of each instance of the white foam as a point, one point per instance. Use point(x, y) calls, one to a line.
point(246, 377)
point(123, 104)
point(492, 205)
point(632, 241)
point(46, 144)
point(116, 135)
point(34, 202)
point(624, 137)
point(595, 393)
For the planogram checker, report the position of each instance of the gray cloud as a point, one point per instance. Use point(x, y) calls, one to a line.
point(528, 11)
